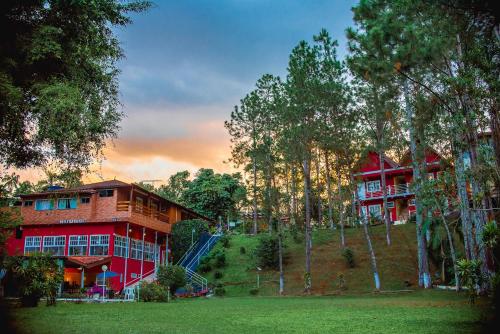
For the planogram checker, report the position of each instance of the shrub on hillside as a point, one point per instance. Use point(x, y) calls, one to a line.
point(218, 275)
point(254, 291)
point(267, 252)
point(348, 255)
point(171, 276)
point(152, 292)
point(220, 260)
point(225, 241)
point(204, 267)
point(243, 250)
point(297, 234)
point(219, 290)
point(181, 235)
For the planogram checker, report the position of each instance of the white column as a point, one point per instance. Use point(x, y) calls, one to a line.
point(142, 257)
point(126, 260)
point(155, 251)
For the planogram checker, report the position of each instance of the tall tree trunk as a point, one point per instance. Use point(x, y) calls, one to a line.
point(424, 278)
point(464, 204)
point(452, 249)
point(387, 219)
point(287, 193)
point(341, 209)
point(371, 252)
point(329, 190)
point(280, 255)
point(318, 187)
point(254, 167)
point(293, 220)
point(307, 195)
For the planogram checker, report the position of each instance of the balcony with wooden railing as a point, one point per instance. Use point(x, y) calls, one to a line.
point(145, 216)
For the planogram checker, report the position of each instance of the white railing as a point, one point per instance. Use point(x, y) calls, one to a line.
point(148, 276)
point(197, 279)
point(391, 191)
point(193, 246)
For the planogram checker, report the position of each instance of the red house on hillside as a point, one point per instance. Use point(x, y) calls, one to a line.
point(400, 198)
point(121, 225)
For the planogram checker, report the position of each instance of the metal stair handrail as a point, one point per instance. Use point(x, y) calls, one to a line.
point(203, 250)
point(190, 249)
point(197, 278)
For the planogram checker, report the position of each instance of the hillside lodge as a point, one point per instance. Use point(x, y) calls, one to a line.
point(112, 223)
point(400, 197)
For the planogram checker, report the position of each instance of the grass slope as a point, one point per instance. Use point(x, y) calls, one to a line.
point(396, 263)
point(416, 312)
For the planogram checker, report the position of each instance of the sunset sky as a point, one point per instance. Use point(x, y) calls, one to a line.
point(188, 63)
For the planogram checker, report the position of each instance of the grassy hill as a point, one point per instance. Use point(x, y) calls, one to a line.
point(396, 263)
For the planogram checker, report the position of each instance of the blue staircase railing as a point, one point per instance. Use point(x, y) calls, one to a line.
point(191, 259)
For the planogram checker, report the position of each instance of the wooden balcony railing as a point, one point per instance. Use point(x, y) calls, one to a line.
point(141, 209)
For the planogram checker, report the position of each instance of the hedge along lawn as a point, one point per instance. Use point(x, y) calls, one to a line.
point(416, 312)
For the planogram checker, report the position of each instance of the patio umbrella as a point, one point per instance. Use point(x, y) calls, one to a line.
point(109, 274)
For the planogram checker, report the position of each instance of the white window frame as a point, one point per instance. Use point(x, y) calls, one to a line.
point(99, 241)
point(379, 206)
point(79, 242)
point(411, 202)
point(136, 249)
point(34, 243)
point(390, 205)
point(371, 188)
point(149, 251)
point(120, 246)
point(54, 242)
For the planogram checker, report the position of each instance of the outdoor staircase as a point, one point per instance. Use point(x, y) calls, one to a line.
point(191, 259)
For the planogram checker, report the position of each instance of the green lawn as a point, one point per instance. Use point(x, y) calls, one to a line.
point(416, 312)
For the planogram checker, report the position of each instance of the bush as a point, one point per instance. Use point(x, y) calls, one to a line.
point(204, 267)
point(218, 275)
point(267, 252)
point(37, 275)
point(225, 241)
point(219, 291)
point(153, 292)
point(243, 250)
point(296, 234)
point(181, 235)
point(254, 291)
point(171, 276)
point(348, 255)
point(220, 260)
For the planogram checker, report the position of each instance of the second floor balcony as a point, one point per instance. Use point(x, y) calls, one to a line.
point(402, 189)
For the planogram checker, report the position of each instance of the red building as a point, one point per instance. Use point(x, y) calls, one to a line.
point(121, 225)
point(400, 198)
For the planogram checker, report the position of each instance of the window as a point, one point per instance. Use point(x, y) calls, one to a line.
point(54, 244)
point(99, 245)
point(390, 205)
point(363, 211)
point(28, 203)
point(139, 203)
point(149, 251)
point(84, 200)
point(44, 204)
point(136, 249)
point(375, 210)
point(120, 246)
point(106, 193)
point(66, 203)
point(32, 245)
point(412, 202)
point(78, 245)
point(372, 186)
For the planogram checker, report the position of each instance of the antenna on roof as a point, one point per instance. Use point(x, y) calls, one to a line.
point(151, 182)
